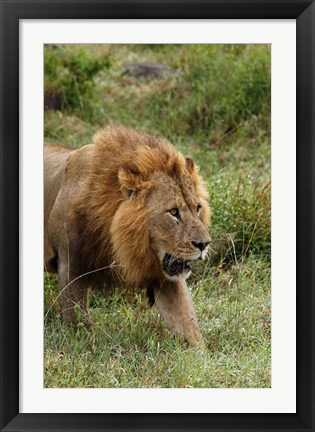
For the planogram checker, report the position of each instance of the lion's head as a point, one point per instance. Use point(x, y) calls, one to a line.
point(160, 224)
point(176, 224)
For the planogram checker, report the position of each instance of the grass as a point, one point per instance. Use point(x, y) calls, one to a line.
point(215, 108)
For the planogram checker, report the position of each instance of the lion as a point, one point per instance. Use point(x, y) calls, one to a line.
point(127, 209)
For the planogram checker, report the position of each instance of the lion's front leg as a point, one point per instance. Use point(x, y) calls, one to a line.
point(175, 304)
point(73, 298)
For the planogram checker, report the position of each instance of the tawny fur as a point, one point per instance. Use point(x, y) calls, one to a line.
point(103, 207)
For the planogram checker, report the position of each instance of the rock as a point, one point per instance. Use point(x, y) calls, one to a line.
point(147, 70)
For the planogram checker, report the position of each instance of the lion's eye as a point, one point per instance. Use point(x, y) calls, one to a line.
point(175, 212)
point(198, 208)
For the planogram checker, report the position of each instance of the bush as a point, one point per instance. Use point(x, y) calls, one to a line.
point(69, 76)
point(226, 88)
point(240, 221)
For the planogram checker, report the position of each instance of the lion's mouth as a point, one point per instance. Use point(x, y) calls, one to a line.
point(173, 265)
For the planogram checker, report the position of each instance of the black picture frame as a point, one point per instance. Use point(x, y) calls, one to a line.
point(10, 13)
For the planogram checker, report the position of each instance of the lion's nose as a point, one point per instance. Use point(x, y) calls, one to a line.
point(201, 245)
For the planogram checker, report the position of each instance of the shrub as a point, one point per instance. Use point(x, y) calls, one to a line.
point(230, 85)
point(241, 220)
point(69, 75)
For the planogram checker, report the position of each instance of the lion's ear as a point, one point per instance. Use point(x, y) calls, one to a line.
point(190, 166)
point(129, 179)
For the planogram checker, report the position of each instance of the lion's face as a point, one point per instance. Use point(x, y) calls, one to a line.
point(176, 224)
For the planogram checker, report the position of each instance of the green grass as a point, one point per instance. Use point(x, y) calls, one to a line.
point(216, 109)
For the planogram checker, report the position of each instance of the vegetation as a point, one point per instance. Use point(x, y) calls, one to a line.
point(215, 108)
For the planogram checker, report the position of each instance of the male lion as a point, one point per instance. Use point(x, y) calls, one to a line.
point(134, 207)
